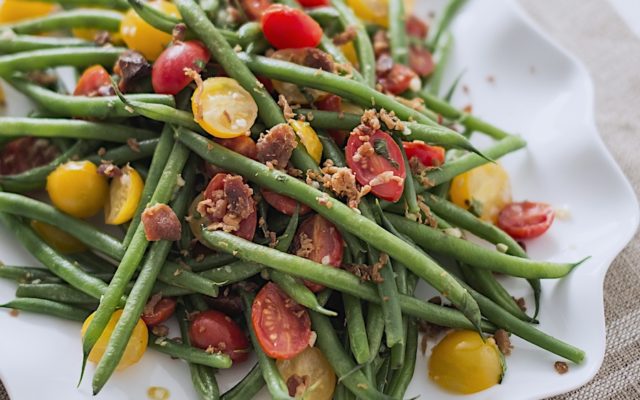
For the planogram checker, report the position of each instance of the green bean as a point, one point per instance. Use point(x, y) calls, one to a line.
point(26, 274)
point(402, 377)
point(478, 256)
point(210, 262)
point(344, 367)
point(273, 379)
point(232, 273)
point(381, 375)
point(248, 387)
point(54, 292)
point(18, 43)
point(409, 192)
point(57, 264)
point(340, 214)
point(375, 329)
point(82, 106)
point(58, 57)
point(324, 15)
point(190, 354)
point(211, 7)
point(134, 252)
point(176, 275)
point(398, 39)
point(356, 328)
point(450, 11)
point(364, 49)
point(327, 45)
point(85, 18)
point(443, 54)
point(109, 4)
point(14, 127)
point(163, 113)
point(48, 307)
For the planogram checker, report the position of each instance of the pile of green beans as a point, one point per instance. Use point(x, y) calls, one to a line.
point(366, 327)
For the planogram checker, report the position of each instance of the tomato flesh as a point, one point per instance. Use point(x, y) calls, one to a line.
point(428, 156)
point(372, 168)
point(94, 81)
point(285, 205)
point(398, 79)
point(160, 312)
point(323, 243)
point(242, 144)
point(214, 330)
point(526, 220)
point(308, 375)
point(285, 28)
point(282, 326)
point(167, 75)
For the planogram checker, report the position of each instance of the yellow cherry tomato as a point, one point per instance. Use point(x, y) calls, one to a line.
point(58, 239)
point(376, 11)
point(484, 190)
point(309, 138)
point(318, 378)
point(223, 108)
point(142, 37)
point(90, 35)
point(77, 189)
point(16, 10)
point(136, 346)
point(124, 195)
point(349, 51)
point(462, 363)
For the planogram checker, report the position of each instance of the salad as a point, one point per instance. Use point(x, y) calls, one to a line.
point(274, 179)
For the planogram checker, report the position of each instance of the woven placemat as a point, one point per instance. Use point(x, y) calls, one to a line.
point(594, 32)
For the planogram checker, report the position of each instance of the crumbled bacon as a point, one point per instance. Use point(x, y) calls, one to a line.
point(368, 273)
point(305, 246)
point(561, 367)
point(132, 67)
point(318, 59)
point(380, 43)
point(391, 121)
point(286, 109)
point(345, 37)
point(385, 177)
point(161, 223)
point(342, 181)
point(109, 170)
point(416, 27)
point(521, 303)
point(133, 145)
point(277, 145)
point(501, 338)
point(227, 202)
point(297, 385)
point(25, 153)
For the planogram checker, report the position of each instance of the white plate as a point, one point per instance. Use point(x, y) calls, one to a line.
point(539, 91)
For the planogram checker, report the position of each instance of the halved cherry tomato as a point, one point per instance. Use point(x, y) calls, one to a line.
point(94, 81)
point(17, 10)
point(282, 326)
point(526, 220)
point(416, 27)
point(308, 375)
point(23, 154)
point(324, 242)
point(215, 330)
point(285, 27)
point(223, 108)
point(255, 8)
point(376, 11)
point(429, 156)
point(399, 79)
point(309, 138)
point(242, 144)
point(377, 162)
point(283, 204)
point(421, 61)
point(247, 228)
point(125, 192)
point(58, 239)
point(167, 75)
point(144, 38)
point(313, 3)
point(292, 92)
point(332, 102)
point(155, 314)
point(76, 188)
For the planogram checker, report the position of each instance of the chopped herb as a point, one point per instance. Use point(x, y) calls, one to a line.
point(381, 149)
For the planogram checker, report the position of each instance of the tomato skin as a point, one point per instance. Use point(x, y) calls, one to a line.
point(313, 3)
point(161, 312)
point(248, 225)
point(282, 326)
point(167, 75)
point(397, 80)
point(526, 220)
point(421, 61)
point(285, 205)
point(214, 329)
point(333, 103)
point(242, 144)
point(285, 28)
point(255, 8)
point(327, 243)
point(94, 81)
point(377, 164)
point(429, 156)
point(416, 27)
point(308, 374)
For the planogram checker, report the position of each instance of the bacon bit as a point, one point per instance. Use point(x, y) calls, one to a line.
point(132, 67)
point(375, 268)
point(179, 32)
point(161, 223)
point(465, 89)
point(102, 38)
point(318, 59)
point(42, 78)
point(325, 200)
point(415, 104)
point(385, 177)
point(501, 338)
point(468, 109)
point(133, 145)
point(160, 330)
point(421, 61)
point(286, 109)
point(109, 170)
point(228, 207)
point(423, 344)
point(391, 121)
point(150, 307)
point(381, 43)
point(430, 219)
point(14, 313)
point(306, 246)
point(297, 385)
point(277, 145)
point(491, 79)
point(561, 367)
point(521, 303)
point(345, 37)
point(416, 27)
point(430, 330)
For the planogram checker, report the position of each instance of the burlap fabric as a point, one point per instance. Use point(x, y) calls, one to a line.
point(595, 33)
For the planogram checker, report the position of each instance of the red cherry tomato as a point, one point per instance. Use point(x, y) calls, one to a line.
point(247, 228)
point(398, 79)
point(282, 326)
point(255, 8)
point(162, 311)
point(213, 329)
point(283, 204)
point(526, 220)
point(94, 81)
point(167, 75)
point(23, 154)
point(241, 144)
point(421, 61)
point(372, 161)
point(416, 27)
point(313, 3)
point(429, 156)
point(290, 28)
point(333, 103)
point(325, 244)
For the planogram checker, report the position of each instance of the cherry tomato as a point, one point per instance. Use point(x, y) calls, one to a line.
point(333, 103)
point(462, 363)
point(242, 144)
point(377, 162)
point(399, 79)
point(144, 38)
point(301, 57)
point(155, 314)
point(308, 375)
point(376, 11)
point(255, 8)
point(247, 228)
point(416, 27)
point(136, 346)
point(213, 329)
point(167, 75)
point(283, 204)
point(421, 61)
point(77, 189)
point(94, 81)
point(429, 156)
point(18, 10)
point(125, 192)
point(319, 240)
point(526, 220)
point(58, 239)
point(282, 326)
point(314, 3)
point(285, 27)
point(23, 154)
point(309, 138)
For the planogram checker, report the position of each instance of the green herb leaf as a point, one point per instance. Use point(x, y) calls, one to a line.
point(381, 149)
